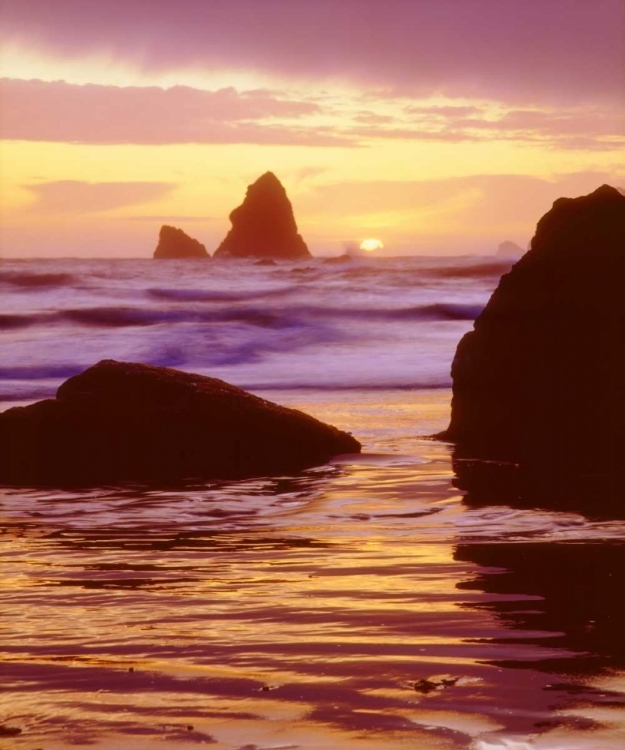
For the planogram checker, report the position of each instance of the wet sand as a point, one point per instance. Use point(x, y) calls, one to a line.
point(366, 604)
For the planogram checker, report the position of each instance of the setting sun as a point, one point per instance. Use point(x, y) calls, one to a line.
point(371, 244)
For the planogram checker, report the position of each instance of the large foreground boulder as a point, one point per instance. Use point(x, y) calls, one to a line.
point(121, 421)
point(263, 226)
point(541, 374)
point(174, 243)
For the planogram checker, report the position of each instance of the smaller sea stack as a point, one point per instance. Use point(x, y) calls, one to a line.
point(174, 243)
point(541, 374)
point(121, 421)
point(263, 226)
point(510, 249)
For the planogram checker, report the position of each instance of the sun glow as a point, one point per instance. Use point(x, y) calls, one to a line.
point(371, 244)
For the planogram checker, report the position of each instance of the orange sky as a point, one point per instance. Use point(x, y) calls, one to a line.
point(434, 130)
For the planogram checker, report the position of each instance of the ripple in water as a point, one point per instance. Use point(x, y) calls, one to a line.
point(365, 604)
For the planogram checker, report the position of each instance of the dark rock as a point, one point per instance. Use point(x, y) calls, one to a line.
point(7, 731)
point(425, 686)
point(509, 249)
point(174, 243)
point(263, 225)
point(541, 376)
point(121, 421)
point(430, 684)
point(265, 262)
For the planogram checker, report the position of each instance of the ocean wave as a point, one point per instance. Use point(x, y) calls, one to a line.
point(438, 311)
point(40, 372)
point(267, 317)
point(370, 324)
point(215, 295)
point(8, 322)
point(119, 317)
point(30, 280)
point(24, 393)
point(488, 269)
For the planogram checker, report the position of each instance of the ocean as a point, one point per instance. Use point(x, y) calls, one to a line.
point(370, 603)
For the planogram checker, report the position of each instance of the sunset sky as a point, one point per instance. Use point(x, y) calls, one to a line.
point(438, 126)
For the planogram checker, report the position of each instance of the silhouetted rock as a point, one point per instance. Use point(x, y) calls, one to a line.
point(263, 225)
point(122, 421)
point(174, 243)
point(509, 249)
point(265, 262)
point(541, 375)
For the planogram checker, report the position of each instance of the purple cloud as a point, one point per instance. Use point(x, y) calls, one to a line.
point(58, 111)
point(559, 51)
point(594, 129)
point(444, 111)
point(76, 196)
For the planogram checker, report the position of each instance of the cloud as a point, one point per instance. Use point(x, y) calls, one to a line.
point(372, 118)
point(307, 173)
point(57, 111)
point(78, 197)
point(165, 218)
point(526, 52)
point(574, 128)
point(443, 135)
point(444, 111)
point(485, 203)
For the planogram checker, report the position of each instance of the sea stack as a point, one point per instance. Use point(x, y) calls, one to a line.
point(541, 374)
point(509, 249)
point(263, 226)
point(174, 243)
point(121, 421)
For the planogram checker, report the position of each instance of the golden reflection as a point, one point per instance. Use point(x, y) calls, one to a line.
point(308, 625)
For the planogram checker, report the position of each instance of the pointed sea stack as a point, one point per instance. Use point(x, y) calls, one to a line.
point(541, 375)
point(174, 243)
point(263, 226)
point(121, 421)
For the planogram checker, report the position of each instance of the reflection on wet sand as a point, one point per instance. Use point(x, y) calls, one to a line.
point(361, 606)
point(574, 594)
point(575, 586)
point(578, 488)
point(562, 600)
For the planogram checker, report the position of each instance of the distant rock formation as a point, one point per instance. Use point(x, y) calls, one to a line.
point(541, 374)
point(121, 421)
point(263, 226)
point(174, 243)
point(509, 249)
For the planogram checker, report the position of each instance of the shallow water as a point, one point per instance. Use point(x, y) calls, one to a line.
point(364, 604)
